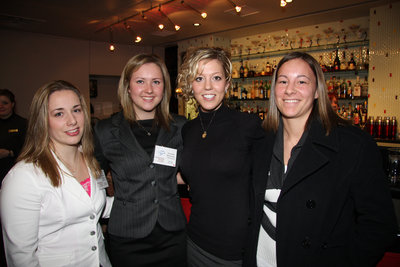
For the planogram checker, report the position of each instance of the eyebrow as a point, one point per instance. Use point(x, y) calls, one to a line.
point(58, 109)
point(299, 76)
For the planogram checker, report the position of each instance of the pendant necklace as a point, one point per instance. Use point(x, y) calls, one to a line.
point(204, 134)
point(144, 129)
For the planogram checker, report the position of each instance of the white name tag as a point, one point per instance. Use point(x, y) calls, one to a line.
point(102, 181)
point(165, 156)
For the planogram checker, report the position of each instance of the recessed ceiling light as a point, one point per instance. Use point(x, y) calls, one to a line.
point(196, 24)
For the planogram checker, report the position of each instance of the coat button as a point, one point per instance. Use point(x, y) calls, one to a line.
point(153, 183)
point(306, 242)
point(92, 217)
point(311, 204)
point(155, 201)
point(151, 166)
point(324, 246)
point(124, 203)
point(92, 233)
point(94, 248)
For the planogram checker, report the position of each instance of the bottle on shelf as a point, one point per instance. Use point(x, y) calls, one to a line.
point(360, 63)
point(364, 88)
point(235, 72)
point(336, 62)
point(357, 88)
point(241, 69)
point(356, 115)
point(322, 64)
point(244, 93)
point(268, 68)
point(343, 89)
point(246, 70)
point(256, 91)
point(343, 62)
point(370, 126)
point(274, 66)
point(352, 63)
point(261, 90)
point(330, 65)
point(236, 91)
point(393, 128)
point(349, 90)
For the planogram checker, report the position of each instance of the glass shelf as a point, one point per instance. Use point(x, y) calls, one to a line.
point(302, 49)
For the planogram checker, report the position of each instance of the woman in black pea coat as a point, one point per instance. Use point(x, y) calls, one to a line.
point(320, 195)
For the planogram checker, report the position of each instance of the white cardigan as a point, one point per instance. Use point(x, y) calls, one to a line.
point(52, 226)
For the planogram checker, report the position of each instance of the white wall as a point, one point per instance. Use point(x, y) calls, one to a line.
point(29, 60)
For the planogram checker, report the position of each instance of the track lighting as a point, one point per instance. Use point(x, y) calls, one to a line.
point(237, 7)
point(111, 47)
point(136, 37)
point(202, 14)
point(176, 26)
point(285, 2)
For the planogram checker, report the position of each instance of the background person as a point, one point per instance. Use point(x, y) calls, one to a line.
point(12, 132)
point(216, 161)
point(52, 199)
point(321, 197)
point(146, 226)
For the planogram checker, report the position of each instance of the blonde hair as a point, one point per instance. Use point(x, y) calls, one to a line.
point(322, 108)
point(162, 115)
point(37, 147)
point(189, 69)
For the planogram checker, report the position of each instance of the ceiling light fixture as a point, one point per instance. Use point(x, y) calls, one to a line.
point(176, 26)
point(237, 7)
point(285, 2)
point(111, 47)
point(202, 14)
point(136, 37)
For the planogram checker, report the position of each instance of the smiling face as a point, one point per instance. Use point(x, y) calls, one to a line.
point(209, 85)
point(66, 119)
point(295, 90)
point(146, 89)
point(6, 107)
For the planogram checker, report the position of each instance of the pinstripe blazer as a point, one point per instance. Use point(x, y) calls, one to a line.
point(145, 193)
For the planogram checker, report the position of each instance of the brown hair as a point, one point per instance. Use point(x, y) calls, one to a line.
point(38, 147)
point(162, 115)
point(322, 108)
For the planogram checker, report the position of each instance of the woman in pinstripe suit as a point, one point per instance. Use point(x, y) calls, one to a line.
point(146, 225)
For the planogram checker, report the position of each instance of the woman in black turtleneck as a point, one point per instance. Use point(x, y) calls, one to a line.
point(216, 161)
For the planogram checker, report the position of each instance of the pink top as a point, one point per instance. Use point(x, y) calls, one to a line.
point(86, 185)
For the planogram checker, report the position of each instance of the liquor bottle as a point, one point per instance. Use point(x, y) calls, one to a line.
point(236, 91)
point(336, 62)
point(343, 89)
point(352, 63)
point(393, 128)
point(370, 126)
point(321, 64)
point(251, 71)
point(329, 84)
point(357, 88)
point(349, 90)
point(360, 63)
point(261, 90)
point(366, 60)
point(246, 70)
point(256, 91)
point(330, 63)
point(364, 88)
point(343, 63)
point(336, 86)
point(267, 89)
point(235, 73)
point(268, 68)
point(240, 89)
point(241, 69)
point(244, 93)
point(356, 115)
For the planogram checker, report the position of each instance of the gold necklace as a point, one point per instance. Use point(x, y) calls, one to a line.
point(144, 129)
point(69, 167)
point(204, 134)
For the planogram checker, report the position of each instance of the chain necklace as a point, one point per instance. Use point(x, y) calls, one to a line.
point(69, 167)
point(204, 134)
point(144, 129)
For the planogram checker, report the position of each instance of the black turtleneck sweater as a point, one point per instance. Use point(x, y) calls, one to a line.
point(218, 169)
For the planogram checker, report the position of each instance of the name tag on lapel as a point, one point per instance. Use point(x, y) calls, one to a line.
point(102, 181)
point(165, 156)
point(13, 130)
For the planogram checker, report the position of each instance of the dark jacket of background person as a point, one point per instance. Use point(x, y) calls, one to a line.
point(145, 193)
point(334, 209)
point(12, 136)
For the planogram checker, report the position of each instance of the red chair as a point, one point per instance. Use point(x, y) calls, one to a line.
point(390, 260)
point(186, 205)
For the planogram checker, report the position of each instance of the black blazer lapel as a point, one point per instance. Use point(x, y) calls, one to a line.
point(315, 153)
point(122, 131)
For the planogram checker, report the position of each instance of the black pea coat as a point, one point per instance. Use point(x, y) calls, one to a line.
point(335, 207)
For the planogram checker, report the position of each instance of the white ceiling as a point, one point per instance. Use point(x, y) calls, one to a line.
point(90, 20)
